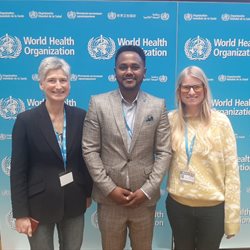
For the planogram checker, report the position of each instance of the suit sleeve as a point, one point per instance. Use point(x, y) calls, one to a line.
point(19, 169)
point(91, 146)
point(162, 152)
point(87, 177)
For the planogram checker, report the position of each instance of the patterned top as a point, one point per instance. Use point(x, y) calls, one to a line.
point(216, 174)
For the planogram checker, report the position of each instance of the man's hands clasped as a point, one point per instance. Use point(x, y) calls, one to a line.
point(127, 198)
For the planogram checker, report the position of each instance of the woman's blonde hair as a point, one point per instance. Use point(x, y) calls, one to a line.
point(204, 116)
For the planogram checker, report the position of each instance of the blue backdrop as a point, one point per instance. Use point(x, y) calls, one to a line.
point(214, 36)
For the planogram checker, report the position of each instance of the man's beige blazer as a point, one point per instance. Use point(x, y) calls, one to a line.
point(105, 146)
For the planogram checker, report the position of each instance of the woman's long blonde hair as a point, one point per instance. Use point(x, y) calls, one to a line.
point(178, 127)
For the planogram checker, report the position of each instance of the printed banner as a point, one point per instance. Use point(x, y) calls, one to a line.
point(214, 36)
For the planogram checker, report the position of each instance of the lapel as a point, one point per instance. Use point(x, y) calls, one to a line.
point(47, 129)
point(70, 131)
point(139, 117)
point(116, 106)
point(119, 119)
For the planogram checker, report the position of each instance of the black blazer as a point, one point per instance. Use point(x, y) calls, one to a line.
point(36, 163)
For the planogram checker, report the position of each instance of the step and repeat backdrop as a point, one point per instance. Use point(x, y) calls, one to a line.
point(214, 36)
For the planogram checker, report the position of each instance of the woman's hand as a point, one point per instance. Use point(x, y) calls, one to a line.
point(23, 225)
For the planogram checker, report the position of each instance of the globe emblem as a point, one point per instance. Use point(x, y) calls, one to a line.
point(73, 77)
point(33, 14)
point(112, 78)
point(163, 78)
point(71, 14)
point(188, 17)
point(101, 48)
point(11, 107)
point(10, 221)
point(5, 137)
point(198, 48)
point(10, 47)
point(225, 17)
point(222, 78)
point(164, 16)
point(111, 15)
point(35, 77)
point(6, 165)
point(2, 137)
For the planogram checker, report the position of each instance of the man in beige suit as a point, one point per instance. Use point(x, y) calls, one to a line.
point(126, 146)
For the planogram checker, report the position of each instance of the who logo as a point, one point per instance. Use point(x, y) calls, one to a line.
point(101, 48)
point(6, 162)
point(11, 107)
point(10, 221)
point(198, 48)
point(10, 47)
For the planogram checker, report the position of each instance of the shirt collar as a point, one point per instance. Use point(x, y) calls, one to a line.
point(126, 102)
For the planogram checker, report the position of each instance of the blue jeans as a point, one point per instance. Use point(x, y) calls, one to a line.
point(195, 228)
point(70, 235)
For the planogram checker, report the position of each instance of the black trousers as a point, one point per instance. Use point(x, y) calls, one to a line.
point(195, 228)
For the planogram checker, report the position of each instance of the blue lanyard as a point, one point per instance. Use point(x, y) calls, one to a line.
point(189, 150)
point(130, 132)
point(62, 145)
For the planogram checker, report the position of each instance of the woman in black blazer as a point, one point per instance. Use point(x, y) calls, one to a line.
point(49, 180)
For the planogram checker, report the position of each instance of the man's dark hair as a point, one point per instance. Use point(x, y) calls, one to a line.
point(133, 48)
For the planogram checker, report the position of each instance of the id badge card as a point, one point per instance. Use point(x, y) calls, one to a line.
point(187, 176)
point(66, 178)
